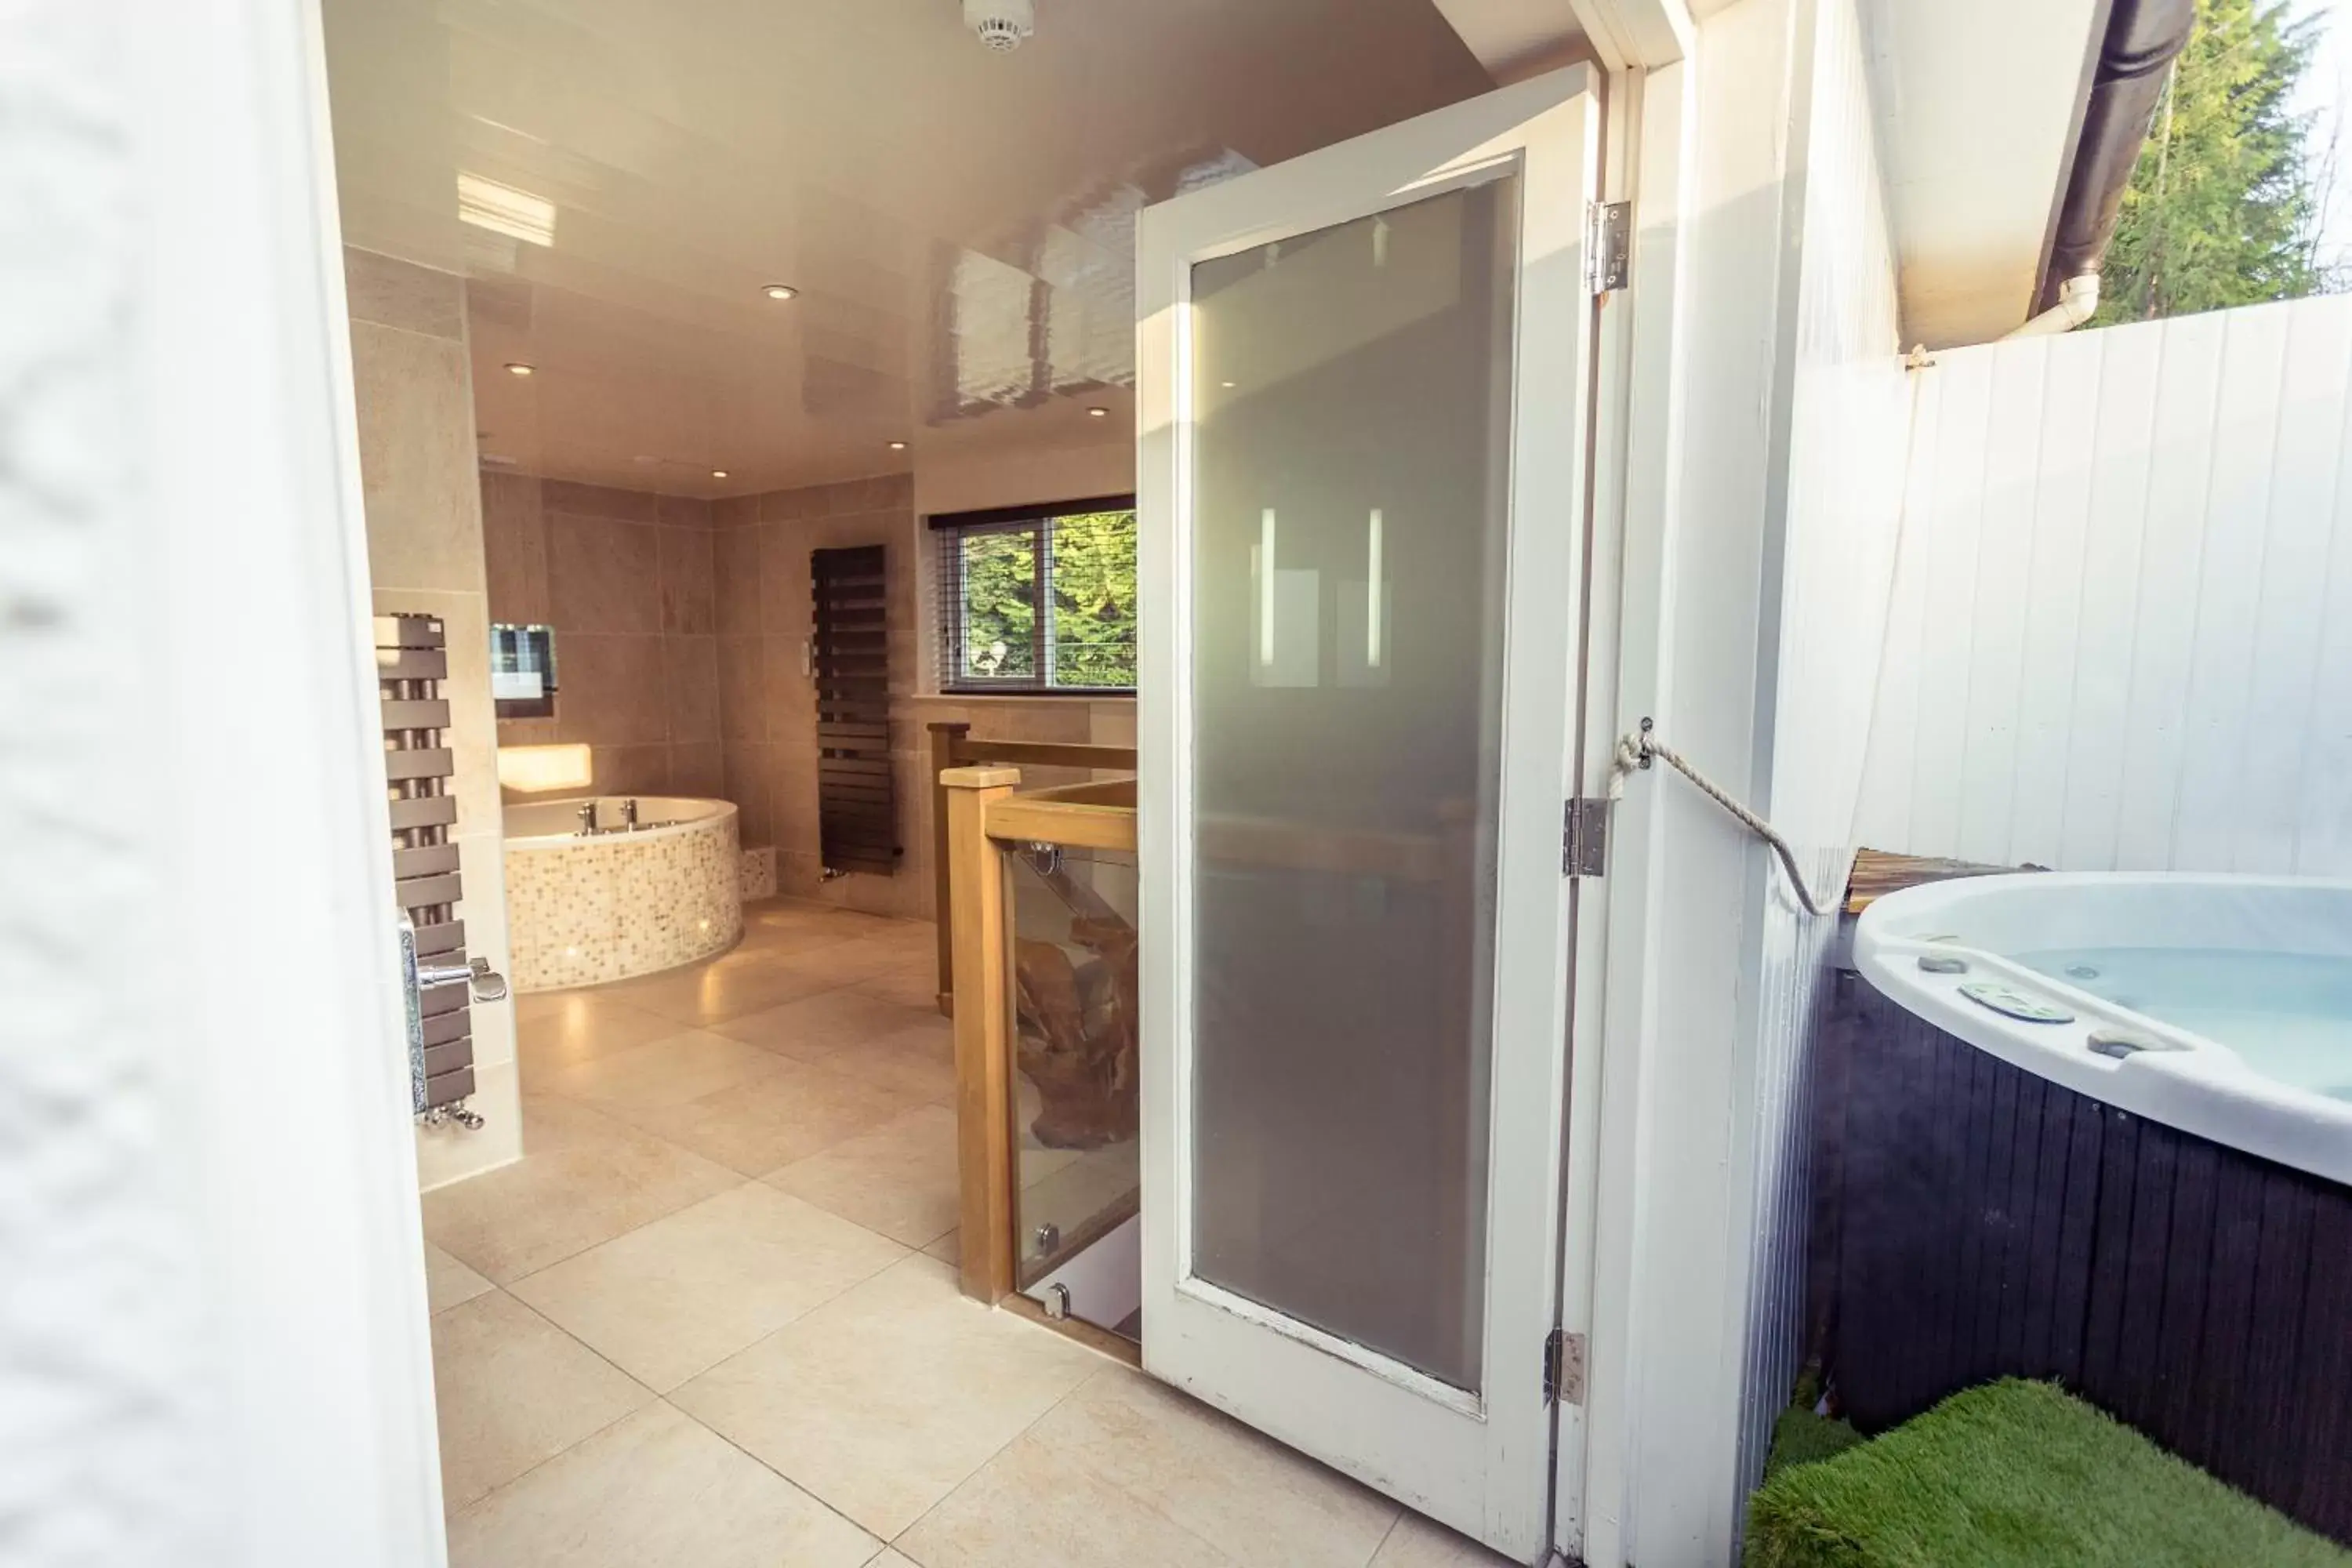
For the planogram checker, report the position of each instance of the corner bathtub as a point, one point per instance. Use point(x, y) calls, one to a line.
point(581, 911)
point(2098, 1127)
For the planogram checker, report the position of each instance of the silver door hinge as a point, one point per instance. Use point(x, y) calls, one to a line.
point(1608, 245)
point(1564, 1369)
point(1584, 838)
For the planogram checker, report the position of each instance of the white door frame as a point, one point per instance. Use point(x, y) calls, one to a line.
point(226, 1315)
point(1483, 1465)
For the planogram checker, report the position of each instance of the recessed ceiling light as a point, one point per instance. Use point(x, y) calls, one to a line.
point(779, 291)
point(1098, 412)
point(717, 473)
point(1228, 385)
point(516, 367)
point(898, 445)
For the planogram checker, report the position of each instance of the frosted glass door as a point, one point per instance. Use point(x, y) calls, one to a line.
point(1360, 503)
point(1352, 399)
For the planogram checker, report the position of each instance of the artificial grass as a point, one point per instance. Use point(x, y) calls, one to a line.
point(2016, 1475)
point(1801, 1438)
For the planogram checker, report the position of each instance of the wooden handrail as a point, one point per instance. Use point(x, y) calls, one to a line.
point(952, 746)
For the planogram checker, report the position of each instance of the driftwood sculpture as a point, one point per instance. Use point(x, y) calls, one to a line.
point(1078, 1024)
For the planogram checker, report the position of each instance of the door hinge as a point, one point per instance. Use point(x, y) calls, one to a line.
point(1584, 838)
point(1608, 245)
point(1563, 1368)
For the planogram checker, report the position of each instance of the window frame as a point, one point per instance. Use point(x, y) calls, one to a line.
point(947, 531)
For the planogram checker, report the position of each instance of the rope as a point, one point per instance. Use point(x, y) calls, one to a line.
point(1635, 752)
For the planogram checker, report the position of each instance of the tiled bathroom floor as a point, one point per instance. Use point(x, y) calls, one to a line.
point(710, 1320)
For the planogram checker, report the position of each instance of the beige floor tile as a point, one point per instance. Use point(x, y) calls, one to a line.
point(665, 1071)
point(910, 985)
point(885, 1398)
point(585, 1178)
point(778, 915)
point(1032, 1507)
point(654, 1490)
point(447, 1281)
point(1257, 1501)
point(858, 959)
point(890, 1558)
point(566, 1027)
point(947, 1248)
point(725, 988)
point(513, 1390)
point(675, 1296)
point(815, 1027)
point(766, 1122)
point(1418, 1542)
point(898, 1178)
point(918, 1058)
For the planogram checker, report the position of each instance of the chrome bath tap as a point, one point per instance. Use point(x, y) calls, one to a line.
point(588, 820)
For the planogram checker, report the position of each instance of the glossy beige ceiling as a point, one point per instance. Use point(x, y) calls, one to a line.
point(958, 223)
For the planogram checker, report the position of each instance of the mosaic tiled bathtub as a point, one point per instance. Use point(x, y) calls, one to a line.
point(582, 910)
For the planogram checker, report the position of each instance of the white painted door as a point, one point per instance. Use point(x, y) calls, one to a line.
point(1363, 383)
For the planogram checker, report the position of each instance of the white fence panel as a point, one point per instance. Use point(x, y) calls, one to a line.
point(2123, 605)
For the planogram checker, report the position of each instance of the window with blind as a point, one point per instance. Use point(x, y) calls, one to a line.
point(1038, 599)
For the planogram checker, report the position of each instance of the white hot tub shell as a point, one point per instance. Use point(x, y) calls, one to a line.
point(583, 909)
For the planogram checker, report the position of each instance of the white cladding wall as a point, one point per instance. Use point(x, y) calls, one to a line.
point(1775, 569)
point(1850, 413)
point(2122, 636)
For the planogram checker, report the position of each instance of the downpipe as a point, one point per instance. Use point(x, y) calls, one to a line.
point(2078, 302)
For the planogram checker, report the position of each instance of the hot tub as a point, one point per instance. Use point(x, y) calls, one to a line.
point(2098, 1127)
point(582, 908)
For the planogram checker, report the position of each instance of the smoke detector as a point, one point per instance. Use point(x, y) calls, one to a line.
point(1001, 25)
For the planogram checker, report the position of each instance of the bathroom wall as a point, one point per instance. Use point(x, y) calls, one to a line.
point(625, 578)
point(416, 408)
point(767, 704)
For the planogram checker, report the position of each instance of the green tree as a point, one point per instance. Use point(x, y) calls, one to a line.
point(2220, 209)
point(1094, 599)
point(1090, 572)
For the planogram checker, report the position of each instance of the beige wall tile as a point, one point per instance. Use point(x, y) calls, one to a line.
point(603, 575)
point(691, 665)
point(402, 294)
point(734, 512)
point(742, 689)
point(416, 459)
point(610, 690)
point(630, 770)
point(685, 511)
point(735, 587)
point(749, 766)
point(600, 500)
point(686, 585)
point(785, 583)
point(514, 548)
point(699, 770)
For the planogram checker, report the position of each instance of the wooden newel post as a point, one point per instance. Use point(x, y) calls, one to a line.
point(944, 740)
point(975, 919)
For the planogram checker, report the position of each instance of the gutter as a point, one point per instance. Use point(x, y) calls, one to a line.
point(2142, 40)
